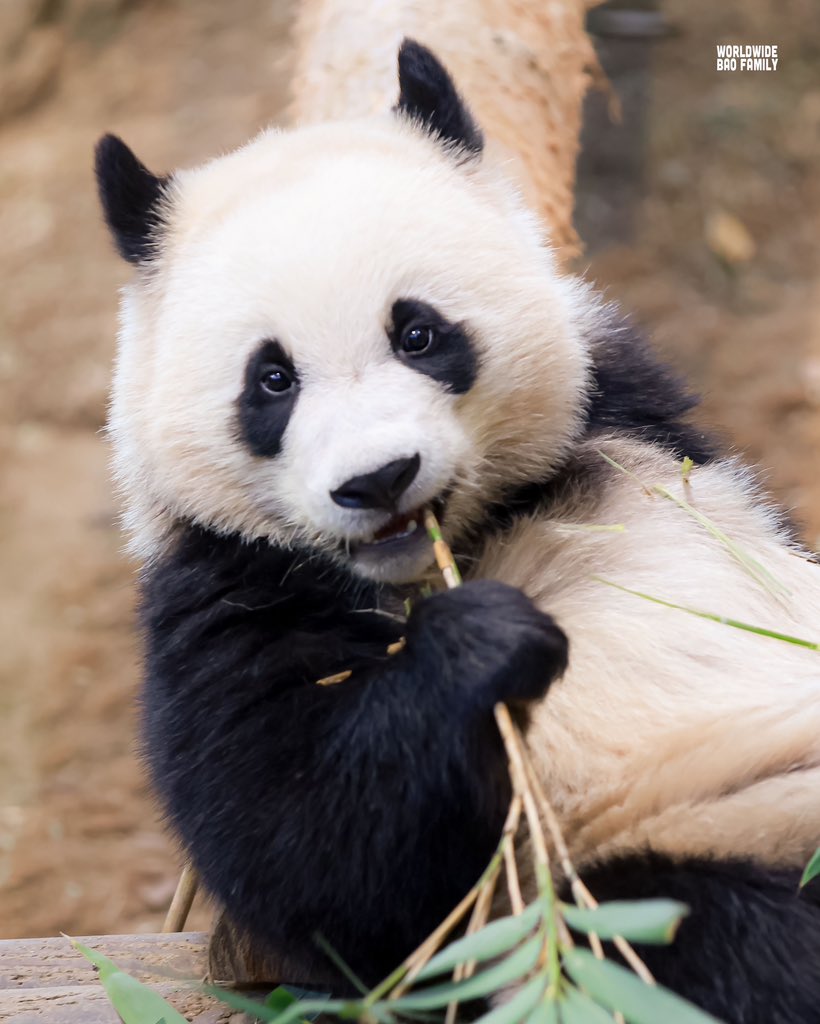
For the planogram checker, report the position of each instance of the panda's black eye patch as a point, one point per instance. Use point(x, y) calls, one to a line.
point(268, 396)
point(426, 341)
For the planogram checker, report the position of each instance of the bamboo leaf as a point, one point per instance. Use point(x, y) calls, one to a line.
point(491, 941)
point(520, 1006)
point(284, 996)
point(734, 623)
point(379, 1012)
point(578, 1008)
point(617, 988)
point(652, 921)
point(339, 963)
point(812, 869)
point(546, 1012)
point(590, 527)
point(747, 562)
point(134, 1002)
point(751, 565)
point(625, 471)
point(280, 999)
point(511, 969)
point(253, 1007)
point(295, 1011)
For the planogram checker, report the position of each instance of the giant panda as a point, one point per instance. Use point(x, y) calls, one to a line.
point(329, 331)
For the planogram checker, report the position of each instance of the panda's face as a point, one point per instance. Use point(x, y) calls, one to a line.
point(344, 327)
point(354, 430)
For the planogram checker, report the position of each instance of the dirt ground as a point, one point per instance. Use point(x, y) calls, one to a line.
point(81, 849)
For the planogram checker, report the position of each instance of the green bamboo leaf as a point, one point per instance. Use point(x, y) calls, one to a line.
point(577, 1008)
point(812, 869)
point(284, 996)
point(520, 1006)
point(589, 527)
point(617, 988)
point(625, 471)
point(734, 623)
point(340, 964)
point(751, 565)
point(652, 921)
point(546, 1012)
point(380, 1013)
point(133, 1001)
point(280, 999)
point(494, 939)
point(253, 1007)
point(297, 1010)
point(490, 980)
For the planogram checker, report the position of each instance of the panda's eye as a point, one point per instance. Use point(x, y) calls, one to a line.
point(416, 340)
point(275, 380)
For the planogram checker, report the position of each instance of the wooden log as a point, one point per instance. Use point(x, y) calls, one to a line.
point(84, 1004)
point(523, 66)
point(46, 981)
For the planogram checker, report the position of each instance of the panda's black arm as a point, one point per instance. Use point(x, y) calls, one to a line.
point(362, 810)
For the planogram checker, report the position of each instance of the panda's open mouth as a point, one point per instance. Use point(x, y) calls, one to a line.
point(400, 527)
point(402, 531)
point(400, 551)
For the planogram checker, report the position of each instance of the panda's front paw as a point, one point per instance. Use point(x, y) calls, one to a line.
point(490, 641)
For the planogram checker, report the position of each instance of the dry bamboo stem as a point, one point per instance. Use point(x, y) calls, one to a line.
point(452, 577)
point(478, 918)
point(526, 782)
point(441, 549)
point(406, 974)
point(583, 897)
point(513, 883)
point(183, 899)
point(484, 903)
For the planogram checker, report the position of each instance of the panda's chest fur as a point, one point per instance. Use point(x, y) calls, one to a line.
point(669, 729)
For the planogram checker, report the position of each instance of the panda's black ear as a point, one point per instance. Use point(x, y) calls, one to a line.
point(131, 198)
point(427, 94)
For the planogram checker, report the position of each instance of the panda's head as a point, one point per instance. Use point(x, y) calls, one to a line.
point(334, 327)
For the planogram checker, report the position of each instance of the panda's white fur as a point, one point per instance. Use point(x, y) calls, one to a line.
point(704, 739)
point(668, 732)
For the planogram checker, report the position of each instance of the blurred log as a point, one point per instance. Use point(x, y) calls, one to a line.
point(46, 981)
point(523, 66)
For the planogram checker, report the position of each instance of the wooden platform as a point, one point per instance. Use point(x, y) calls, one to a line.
point(45, 981)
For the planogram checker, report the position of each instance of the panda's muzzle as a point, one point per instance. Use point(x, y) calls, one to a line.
point(403, 532)
point(381, 491)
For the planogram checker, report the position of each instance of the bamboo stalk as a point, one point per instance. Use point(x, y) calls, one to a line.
point(483, 904)
point(404, 975)
point(513, 883)
point(441, 549)
point(583, 897)
point(183, 899)
point(528, 786)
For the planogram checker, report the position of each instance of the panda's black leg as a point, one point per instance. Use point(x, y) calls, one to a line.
point(362, 810)
point(749, 951)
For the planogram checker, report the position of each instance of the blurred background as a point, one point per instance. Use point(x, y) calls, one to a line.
point(699, 212)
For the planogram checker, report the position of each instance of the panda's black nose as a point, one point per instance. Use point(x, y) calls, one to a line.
point(380, 489)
